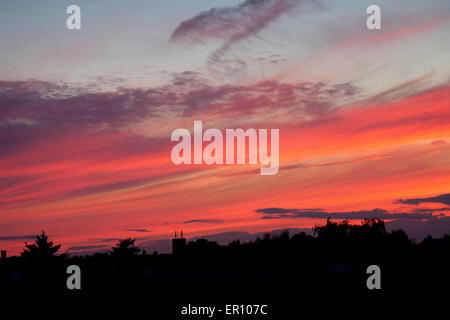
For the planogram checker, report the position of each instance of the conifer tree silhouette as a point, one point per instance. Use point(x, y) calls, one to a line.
point(42, 248)
point(125, 247)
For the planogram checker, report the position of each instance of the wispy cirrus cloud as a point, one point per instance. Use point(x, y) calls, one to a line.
point(37, 104)
point(38, 155)
point(38, 118)
point(234, 23)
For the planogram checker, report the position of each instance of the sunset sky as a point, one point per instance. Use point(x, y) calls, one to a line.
point(86, 117)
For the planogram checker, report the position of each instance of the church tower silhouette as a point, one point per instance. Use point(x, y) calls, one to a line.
point(178, 244)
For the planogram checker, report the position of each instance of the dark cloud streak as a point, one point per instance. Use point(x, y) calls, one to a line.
point(78, 248)
point(281, 213)
point(204, 221)
point(443, 198)
point(11, 238)
point(138, 230)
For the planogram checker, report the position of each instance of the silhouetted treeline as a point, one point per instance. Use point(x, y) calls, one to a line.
point(336, 250)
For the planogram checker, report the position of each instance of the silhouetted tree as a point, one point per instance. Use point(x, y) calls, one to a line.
point(371, 232)
point(333, 232)
point(125, 247)
point(375, 226)
point(42, 248)
point(399, 239)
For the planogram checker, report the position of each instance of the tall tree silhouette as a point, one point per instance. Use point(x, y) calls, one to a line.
point(42, 248)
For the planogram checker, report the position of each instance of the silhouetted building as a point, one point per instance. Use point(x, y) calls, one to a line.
point(178, 244)
point(3, 254)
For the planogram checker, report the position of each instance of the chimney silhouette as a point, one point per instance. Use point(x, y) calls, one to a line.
point(178, 244)
point(3, 254)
